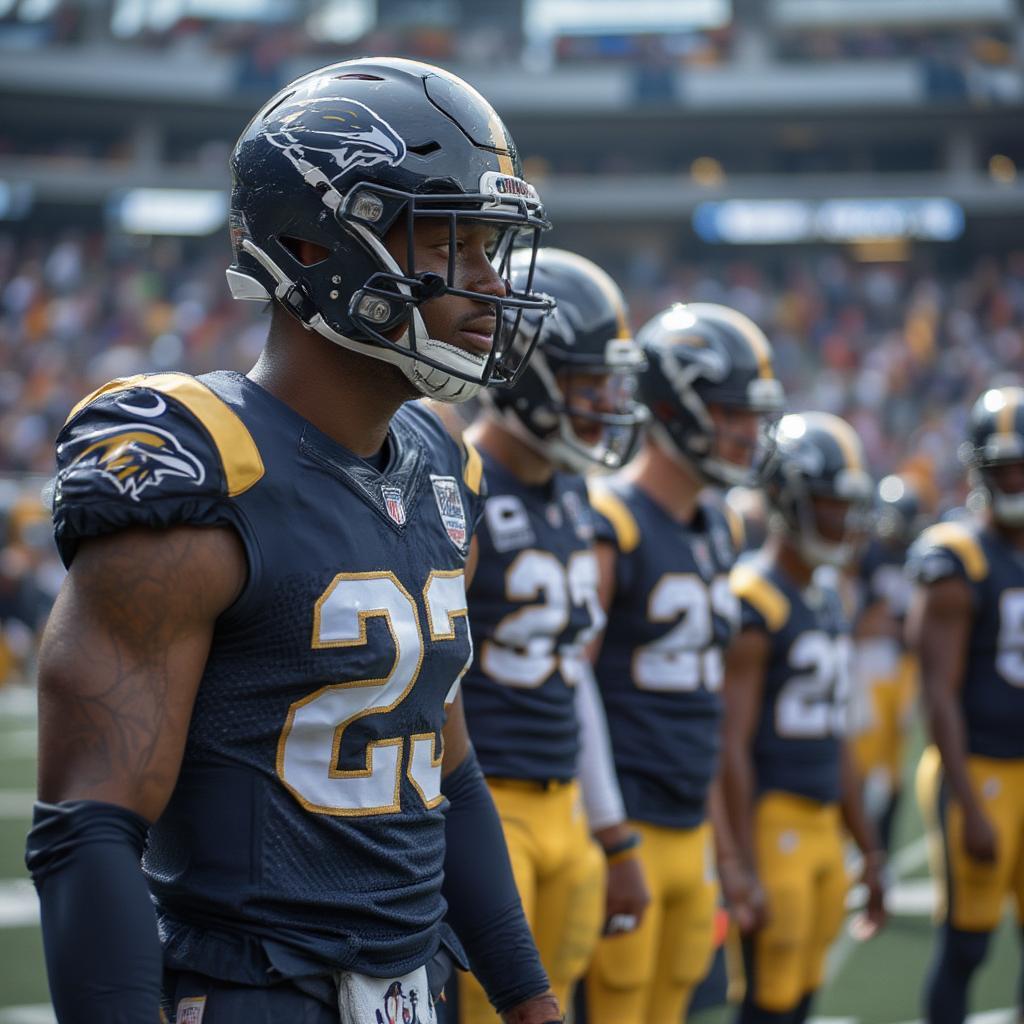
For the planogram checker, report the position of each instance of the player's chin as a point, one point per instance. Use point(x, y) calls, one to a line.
point(476, 342)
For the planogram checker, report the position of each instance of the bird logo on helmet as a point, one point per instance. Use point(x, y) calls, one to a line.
point(995, 433)
point(702, 356)
point(575, 400)
point(347, 153)
point(818, 455)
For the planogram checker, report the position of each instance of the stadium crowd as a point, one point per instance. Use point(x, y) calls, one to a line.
point(900, 349)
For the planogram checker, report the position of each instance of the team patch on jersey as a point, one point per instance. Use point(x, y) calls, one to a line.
point(393, 503)
point(449, 505)
point(134, 456)
point(191, 1010)
point(508, 523)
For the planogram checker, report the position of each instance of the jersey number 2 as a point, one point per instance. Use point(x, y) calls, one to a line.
point(307, 752)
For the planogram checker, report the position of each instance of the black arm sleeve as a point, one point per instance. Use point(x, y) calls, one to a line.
point(103, 955)
point(484, 909)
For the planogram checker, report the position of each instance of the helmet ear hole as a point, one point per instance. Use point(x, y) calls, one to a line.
point(309, 254)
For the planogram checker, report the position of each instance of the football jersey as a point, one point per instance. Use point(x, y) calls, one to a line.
point(661, 660)
point(305, 833)
point(882, 577)
point(535, 607)
point(992, 695)
point(796, 746)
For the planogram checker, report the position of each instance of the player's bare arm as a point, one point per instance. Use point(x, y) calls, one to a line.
point(121, 659)
point(938, 631)
point(862, 831)
point(744, 685)
point(626, 894)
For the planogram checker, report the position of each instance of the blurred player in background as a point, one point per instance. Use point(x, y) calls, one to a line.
point(252, 670)
point(789, 780)
point(967, 627)
point(665, 548)
point(535, 607)
point(885, 672)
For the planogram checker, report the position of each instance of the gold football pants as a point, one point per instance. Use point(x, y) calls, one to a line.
point(559, 870)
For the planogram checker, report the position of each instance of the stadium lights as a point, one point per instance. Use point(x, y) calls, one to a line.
point(779, 221)
point(170, 211)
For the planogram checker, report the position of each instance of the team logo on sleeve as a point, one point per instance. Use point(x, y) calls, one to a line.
point(191, 1010)
point(449, 504)
point(132, 457)
point(394, 504)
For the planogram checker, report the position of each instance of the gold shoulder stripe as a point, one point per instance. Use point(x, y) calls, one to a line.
point(737, 528)
point(473, 470)
point(750, 586)
point(616, 511)
point(958, 539)
point(239, 456)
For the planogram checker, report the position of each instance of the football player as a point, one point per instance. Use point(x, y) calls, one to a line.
point(966, 625)
point(789, 780)
point(885, 673)
point(665, 551)
point(535, 606)
point(256, 655)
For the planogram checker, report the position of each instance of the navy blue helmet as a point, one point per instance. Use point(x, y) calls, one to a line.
point(817, 454)
point(702, 354)
point(995, 437)
point(587, 336)
point(344, 154)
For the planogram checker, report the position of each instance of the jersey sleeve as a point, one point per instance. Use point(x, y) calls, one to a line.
point(947, 551)
point(475, 483)
point(157, 450)
point(762, 605)
point(615, 524)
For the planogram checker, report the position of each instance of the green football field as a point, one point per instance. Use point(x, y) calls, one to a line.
point(876, 982)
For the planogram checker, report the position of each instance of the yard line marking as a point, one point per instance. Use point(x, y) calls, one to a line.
point(37, 1013)
point(16, 803)
point(19, 905)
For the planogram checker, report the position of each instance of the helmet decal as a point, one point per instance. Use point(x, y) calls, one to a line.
point(347, 131)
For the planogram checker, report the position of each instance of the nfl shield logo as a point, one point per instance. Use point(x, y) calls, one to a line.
point(393, 503)
point(449, 504)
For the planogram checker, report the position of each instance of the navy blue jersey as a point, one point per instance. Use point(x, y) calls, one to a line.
point(306, 830)
point(881, 577)
point(797, 744)
point(535, 607)
point(661, 660)
point(992, 695)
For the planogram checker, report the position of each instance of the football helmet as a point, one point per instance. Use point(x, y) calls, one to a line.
point(995, 437)
point(340, 157)
point(699, 355)
point(898, 514)
point(816, 454)
point(588, 333)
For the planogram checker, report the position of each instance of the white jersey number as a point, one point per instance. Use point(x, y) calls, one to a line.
point(812, 703)
point(683, 659)
point(307, 751)
point(1010, 642)
point(523, 650)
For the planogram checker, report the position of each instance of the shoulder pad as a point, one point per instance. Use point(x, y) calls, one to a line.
point(760, 595)
point(947, 549)
point(472, 468)
point(621, 523)
point(151, 450)
point(737, 528)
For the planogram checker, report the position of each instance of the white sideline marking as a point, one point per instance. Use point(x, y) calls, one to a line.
point(19, 905)
point(17, 702)
point(38, 1013)
point(16, 803)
